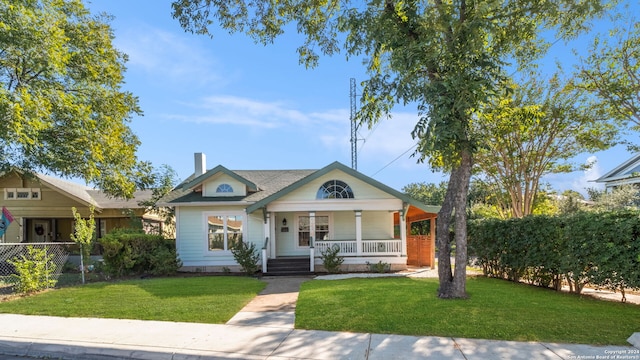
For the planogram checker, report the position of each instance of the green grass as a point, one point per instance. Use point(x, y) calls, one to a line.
point(496, 309)
point(203, 299)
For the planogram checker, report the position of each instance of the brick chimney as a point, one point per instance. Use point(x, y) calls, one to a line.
point(200, 163)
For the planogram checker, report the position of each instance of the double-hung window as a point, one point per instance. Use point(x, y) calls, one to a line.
point(304, 229)
point(224, 230)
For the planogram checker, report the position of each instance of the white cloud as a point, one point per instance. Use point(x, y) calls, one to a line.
point(168, 57)
point(234, 110)
point(390, 139)
point(586, 180)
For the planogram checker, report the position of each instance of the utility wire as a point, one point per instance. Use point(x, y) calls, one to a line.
point(416, 144)
point(396, 159)
point(364, 140)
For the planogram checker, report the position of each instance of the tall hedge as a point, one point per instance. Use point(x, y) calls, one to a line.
point(135, 253)
point(600, 249)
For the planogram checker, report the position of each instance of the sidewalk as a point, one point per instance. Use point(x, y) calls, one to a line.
point(261, 330)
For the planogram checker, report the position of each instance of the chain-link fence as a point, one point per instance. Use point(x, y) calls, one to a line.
point(10, 252)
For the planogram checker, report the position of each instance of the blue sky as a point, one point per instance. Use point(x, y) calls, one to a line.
point(247, 106)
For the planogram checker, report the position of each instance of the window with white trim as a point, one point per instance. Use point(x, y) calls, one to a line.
point(224, 230)
point(304, 229)
point(224, 188)
point(22, 194)
point(334, 189)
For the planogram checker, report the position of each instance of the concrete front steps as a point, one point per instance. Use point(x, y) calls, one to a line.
point(288, 267)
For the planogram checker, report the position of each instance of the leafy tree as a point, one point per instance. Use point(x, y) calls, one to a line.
point(611, 71)
point(444, 56)
point(164, 180)
point(63, 109)
point(486, 200)
point(534, 130)
point(571, 201)
point(83, 235)
point(623, 197)
point(546, 202)
point(431, 194)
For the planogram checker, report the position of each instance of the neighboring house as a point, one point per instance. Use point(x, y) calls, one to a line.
point(294, 214)
point(41, 207)
point(626, 173)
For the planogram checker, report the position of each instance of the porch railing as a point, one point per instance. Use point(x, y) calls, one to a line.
point(369, 247)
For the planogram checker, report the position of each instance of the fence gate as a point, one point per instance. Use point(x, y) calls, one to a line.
point(420, 250)
point(13, 251)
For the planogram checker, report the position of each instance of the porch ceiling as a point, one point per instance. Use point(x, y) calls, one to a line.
point(415, 214)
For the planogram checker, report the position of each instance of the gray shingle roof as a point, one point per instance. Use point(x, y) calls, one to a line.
point(267, 181)
point(106, 202)
point(271, 185)
point(94, 197)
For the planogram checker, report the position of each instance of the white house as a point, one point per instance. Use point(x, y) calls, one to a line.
point(626, 173)
point(296, 214)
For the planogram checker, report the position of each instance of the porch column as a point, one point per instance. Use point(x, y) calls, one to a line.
point(272, 238)
point(432, 249)
point(403, 233)
point(312, 227)
point(265, 246)
point(312, 237)
point(267, 229)
point(358, 214)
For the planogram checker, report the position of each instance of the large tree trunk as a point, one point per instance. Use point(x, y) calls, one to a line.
point(453, 211)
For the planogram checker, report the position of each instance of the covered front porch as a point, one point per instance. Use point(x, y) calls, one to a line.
point(363, 237)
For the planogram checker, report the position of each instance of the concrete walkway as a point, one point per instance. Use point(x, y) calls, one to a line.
point(275, 306)
point(261, 330)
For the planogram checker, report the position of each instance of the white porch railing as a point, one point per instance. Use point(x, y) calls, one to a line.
point(369, 247)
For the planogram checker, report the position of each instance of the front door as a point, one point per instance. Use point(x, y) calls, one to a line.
point(40, 231)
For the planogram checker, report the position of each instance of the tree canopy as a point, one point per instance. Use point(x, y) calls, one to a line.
point(444, 56)
point(611, 71)
point(535, 129)
point(63, 109)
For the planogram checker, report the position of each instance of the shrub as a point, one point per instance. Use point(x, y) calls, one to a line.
point(331, 260)
point(583, 248)
point(379, 267)
point(35, 271)
point(135, 253)
point(247, 256)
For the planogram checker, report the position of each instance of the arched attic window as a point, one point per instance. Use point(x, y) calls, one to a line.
point(224, 188)
point(334, 189)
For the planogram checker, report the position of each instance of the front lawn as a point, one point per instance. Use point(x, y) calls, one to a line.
point(203, 299)
point(496, 309)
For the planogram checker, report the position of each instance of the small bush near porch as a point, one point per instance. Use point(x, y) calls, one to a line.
point(202, 299)
point(496, 309)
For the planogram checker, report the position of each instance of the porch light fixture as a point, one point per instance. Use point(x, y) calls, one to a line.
point(284, 222)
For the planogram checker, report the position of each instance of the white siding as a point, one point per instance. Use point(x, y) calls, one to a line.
point(377, 225)
point(210, 186)
point(344, 225)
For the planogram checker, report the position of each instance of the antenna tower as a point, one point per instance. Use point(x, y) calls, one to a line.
point(354, 126)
